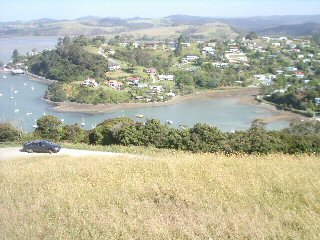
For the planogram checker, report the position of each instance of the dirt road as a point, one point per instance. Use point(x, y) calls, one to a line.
point(15, 153)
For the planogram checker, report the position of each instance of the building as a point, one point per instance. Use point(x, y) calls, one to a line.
point(186, 44)
point(157, 89)
point(299, 74)
point(150, 70)
point(114, 67)
point(191, 58)
point(166, 77)
point(317, 101)
point(90, 82)
point(133, 80)
point(114, 84)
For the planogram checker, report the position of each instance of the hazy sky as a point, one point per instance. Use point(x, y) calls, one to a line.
point(70, 9)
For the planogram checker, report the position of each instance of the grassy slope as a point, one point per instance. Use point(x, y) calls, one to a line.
point(164, 196)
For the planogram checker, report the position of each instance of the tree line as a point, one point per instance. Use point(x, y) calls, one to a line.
point(297, 138)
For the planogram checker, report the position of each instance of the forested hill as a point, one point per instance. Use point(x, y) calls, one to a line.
point(70, 61)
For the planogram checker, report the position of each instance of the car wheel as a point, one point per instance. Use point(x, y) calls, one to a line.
point(50, 151)
point(29, 150)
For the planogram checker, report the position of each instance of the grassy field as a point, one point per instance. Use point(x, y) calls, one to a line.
point(168, 195)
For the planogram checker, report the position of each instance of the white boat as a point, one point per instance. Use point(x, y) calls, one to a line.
point(12, 97)
point(35, 124)
point(15, 92)
point(169, 121)
point(25, 84)
point(32, 88)
point(62, 120)
point(83, 124)
point(4, 76)
point(17, 71)
point(1, 94)
point(16, 110)
point(29, 113)
point(139, 116)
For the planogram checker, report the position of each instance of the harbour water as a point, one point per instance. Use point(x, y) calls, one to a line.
point(21, 103)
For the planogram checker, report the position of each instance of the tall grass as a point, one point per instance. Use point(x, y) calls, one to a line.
point(170, 196)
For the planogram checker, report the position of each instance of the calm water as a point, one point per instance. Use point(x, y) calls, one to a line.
point(21, 102)
point(24, 45)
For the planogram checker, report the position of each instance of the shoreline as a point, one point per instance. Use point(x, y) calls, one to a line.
point(102, 108)
point(34, 77)
point(244, 96)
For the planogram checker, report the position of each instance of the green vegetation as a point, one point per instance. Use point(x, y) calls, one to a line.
point(171, 195)
point(69, 62)
point(298, 138)
point(9, 133)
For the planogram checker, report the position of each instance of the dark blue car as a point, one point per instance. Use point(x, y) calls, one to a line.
point(41, 146)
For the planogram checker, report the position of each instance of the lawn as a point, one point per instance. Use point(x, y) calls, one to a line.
point(167, 195)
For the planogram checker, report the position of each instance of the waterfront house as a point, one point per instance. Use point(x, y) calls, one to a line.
point(156, 88)
point(317, 101)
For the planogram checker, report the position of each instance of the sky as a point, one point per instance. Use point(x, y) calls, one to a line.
point(12, 10)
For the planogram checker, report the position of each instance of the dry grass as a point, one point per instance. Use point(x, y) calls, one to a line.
point(170, 196)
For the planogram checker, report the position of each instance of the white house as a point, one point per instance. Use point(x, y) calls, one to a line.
point(90, 82)
point(186, 44)
point(114, 84)
point(157, 89)
point(220, 64)
point(317, 100)
point(166, 77)
point(191, 58)
point(114, 67)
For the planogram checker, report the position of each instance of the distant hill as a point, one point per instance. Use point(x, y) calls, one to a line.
point(292, 30)
point(165, 28)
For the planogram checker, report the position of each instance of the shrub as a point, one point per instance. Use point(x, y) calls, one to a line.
point(9, 133)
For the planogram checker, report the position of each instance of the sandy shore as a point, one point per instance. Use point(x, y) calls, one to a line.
point(246, 95)
point(243, 95)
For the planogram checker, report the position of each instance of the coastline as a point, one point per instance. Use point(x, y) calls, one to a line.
point(101, 108)
point(34, 77)
point(243, 95)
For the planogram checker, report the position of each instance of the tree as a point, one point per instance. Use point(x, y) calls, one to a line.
point(252, 35)
point(8, 133)
point(106, 132)
point(15, 56)
point(178, 49)
point(73, 133)
point(49, 127)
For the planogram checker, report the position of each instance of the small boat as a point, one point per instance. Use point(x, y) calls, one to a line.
point(169, 121)
point(15, 92)
point(62, 120)
point(83, 124)
point(4, 76)
point(139, 116)
point(12, 97)
point(1, 94)
point(29, 113)
point(25, 84)
point(16, 110)
point(35, 124)
point(32, 88)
